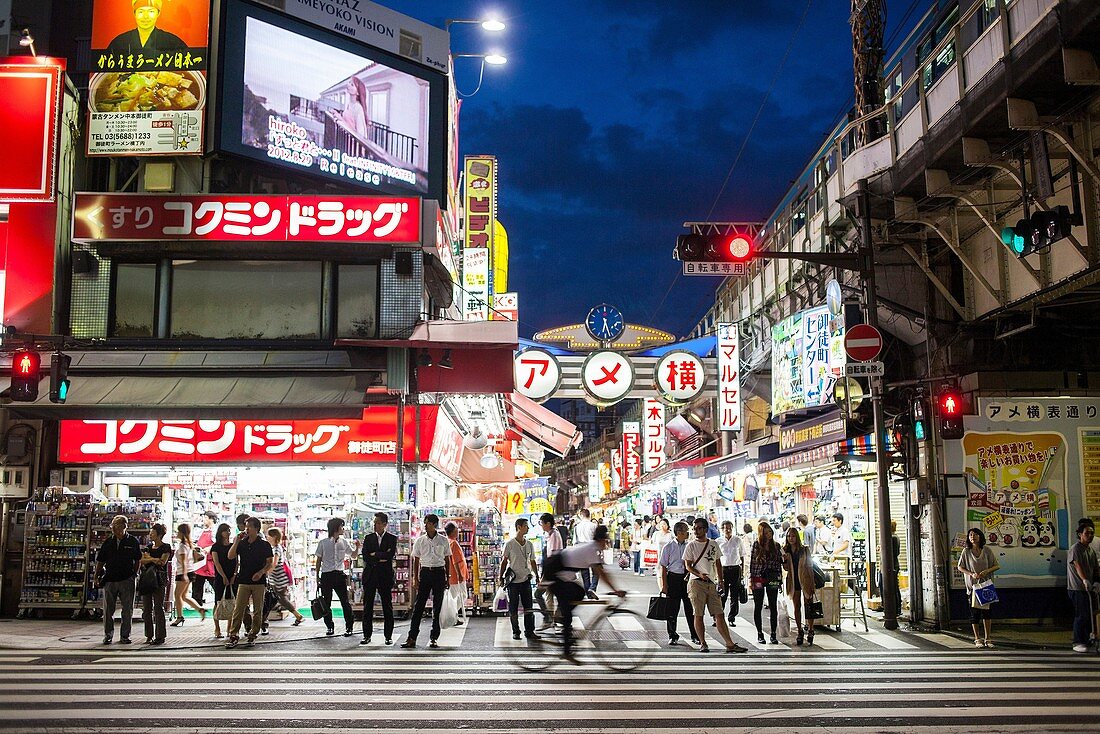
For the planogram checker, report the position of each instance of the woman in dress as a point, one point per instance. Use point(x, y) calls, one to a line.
point(766, 572)
point(976, 564)
point(188, 559)
point(356, 116)
point(156, 556)
point(800, 583)
point(278, 583)
point(224, 568)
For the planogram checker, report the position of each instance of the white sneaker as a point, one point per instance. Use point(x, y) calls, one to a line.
point(1080, 648)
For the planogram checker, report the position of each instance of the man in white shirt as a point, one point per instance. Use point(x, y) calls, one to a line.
point(673, 578)
point(519, 558)
point(568, 592)
point(431, 557)
point(823, 539)
point(551, 545)
point(702, 558)
point(583, 532)
point(732, 567)
point(330, 555)
point(842, 538)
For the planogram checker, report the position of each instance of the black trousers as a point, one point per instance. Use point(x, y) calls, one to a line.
point(336, 581)
point(521, 593)
point(758, 603)
point(198, 588)
point(433, 581)
point(731, 579)
point(384, 589)
point(568, 594)
point(677, 594)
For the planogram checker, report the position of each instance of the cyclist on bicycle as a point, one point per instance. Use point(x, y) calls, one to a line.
point(565, 587)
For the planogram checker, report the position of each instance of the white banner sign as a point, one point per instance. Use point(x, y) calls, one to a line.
point(475, 281)
point(616, 470)
point(632, 462)
point(375, 26)
point(653, 442)
point(505, 307)
point(595, 486)
point(729, 378)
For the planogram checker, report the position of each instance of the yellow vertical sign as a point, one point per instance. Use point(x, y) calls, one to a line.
point(480, 206)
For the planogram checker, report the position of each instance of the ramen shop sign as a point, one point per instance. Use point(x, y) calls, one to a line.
point(233, 217)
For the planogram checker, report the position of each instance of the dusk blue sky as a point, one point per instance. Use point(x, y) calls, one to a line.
point(615, 121)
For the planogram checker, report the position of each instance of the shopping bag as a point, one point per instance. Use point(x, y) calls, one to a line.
point(223, 610)
point(500, 600)
point(985, 593)
point(783, 628)
point(624, 560)
point(448, 610)
point(318, 608)
point(815, 609)
point(649, 557)
point(659, 607)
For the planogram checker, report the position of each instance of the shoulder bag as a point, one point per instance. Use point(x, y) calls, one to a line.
point(223, 610)
point(148, 581)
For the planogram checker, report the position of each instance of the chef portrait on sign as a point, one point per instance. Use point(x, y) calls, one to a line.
point(145, 38)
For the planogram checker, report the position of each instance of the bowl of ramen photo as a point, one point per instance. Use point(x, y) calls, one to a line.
point(152, 91)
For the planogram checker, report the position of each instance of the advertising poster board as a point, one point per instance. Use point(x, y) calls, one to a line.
point(807, 359)
point(147, 90)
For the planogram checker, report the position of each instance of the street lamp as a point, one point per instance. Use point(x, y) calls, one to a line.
point(493, 59)
point(493, 25)
point(26, 40)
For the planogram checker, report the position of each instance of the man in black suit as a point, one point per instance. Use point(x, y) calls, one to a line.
point(379, 550)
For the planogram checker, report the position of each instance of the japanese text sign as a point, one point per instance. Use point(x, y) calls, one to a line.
point(138, 217)
point(616, 470)
point(607, 376)
point(595, 485)
point(446, 453)
point(654, 438)
point(372, 439)
point(807, 359)
point(679, 376)
point(147, 95)
point(32, 93)
point(538, 374)
point(480, 205)
point(729, 378)
point(632, 462)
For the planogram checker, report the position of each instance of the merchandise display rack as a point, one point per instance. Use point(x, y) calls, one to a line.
point(465, 518)
point(486, 567)
point(140, 516)
point(55, 552)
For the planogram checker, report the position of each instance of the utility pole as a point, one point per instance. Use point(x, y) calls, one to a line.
point(882, 460)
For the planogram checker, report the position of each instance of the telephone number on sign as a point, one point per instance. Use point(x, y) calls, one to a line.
point(127, 136)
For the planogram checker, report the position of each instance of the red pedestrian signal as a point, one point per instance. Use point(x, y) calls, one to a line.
point(25, 366)
point(951, 413)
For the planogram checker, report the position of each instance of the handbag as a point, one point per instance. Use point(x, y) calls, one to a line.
point(624, 560)
point(197, 555)
point(149, 581)
point(815, 609)
point(985, 593)
point(743, 595)
point(318, 608)
point(223, 610)
point(659, 608)
point(820, 579)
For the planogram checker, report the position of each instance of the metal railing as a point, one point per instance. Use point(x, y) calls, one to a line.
point(396, 146)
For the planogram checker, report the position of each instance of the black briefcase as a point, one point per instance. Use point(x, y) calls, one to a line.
point(659, 607)
point(318, 608)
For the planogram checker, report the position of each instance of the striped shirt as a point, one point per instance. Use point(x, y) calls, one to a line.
point(277, 579)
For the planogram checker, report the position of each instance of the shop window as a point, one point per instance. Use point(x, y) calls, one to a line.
point(357, 301)
point(134, 305)
point(246, 300)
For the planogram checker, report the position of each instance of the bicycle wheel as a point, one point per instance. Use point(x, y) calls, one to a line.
point(534, 656)
point(621, 640)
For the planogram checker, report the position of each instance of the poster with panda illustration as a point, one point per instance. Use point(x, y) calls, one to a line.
point(1016, 493)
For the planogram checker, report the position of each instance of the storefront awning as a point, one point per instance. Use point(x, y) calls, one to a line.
point(544, 426)
point(208, 396)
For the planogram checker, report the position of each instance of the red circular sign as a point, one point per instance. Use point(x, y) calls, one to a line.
point(863, 343)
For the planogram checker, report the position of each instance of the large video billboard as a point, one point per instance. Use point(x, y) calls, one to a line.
point(297, 97)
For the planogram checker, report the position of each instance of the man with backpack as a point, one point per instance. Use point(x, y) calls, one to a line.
point(562, 568)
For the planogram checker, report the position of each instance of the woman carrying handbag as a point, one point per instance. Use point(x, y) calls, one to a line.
point(278, 582)
point(977, 564)
point(766, 572)
point(224, 568)
point(800, 584)
point(153, 582)
point(188, 559)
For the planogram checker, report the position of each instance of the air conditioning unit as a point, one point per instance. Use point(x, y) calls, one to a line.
point(79, 478)
point(15, 481)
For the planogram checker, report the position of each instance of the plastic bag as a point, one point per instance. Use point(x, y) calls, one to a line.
point(448, 611)
point(783, 616)
point(500, 600)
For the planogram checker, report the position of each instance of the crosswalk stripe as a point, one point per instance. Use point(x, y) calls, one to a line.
point(946, 641)
point(890, 642)
point(827, 642)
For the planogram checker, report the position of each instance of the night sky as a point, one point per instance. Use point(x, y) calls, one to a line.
point(615, 121)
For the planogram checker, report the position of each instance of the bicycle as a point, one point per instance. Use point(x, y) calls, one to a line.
point(610, 632)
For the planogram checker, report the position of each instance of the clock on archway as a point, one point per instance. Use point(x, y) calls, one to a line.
point(605, 323)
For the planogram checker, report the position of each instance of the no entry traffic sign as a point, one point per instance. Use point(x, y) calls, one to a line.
point(863, 343)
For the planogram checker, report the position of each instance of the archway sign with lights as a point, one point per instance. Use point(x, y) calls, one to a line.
point(601, 368)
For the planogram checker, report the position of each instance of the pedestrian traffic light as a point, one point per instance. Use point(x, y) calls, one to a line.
point(951, 413)
point(1038, 232)
point(59, 381)
point(708, 248)
point(25, 365)
point(920, 430)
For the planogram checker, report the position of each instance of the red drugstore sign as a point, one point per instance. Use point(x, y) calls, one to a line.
point(140, 218)
point(370, 440)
